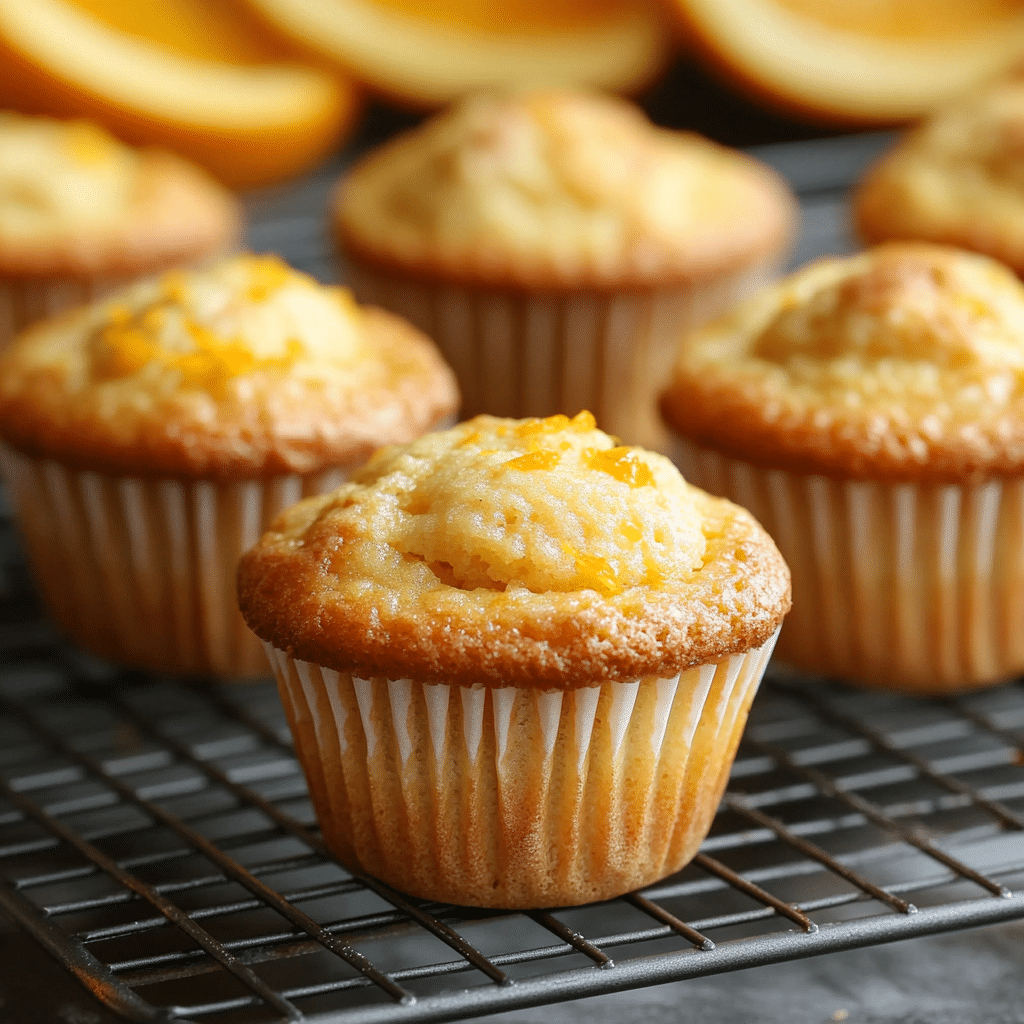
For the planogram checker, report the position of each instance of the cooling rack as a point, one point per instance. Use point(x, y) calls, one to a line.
point(156, 836)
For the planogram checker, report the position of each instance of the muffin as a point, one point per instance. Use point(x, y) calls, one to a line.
point(516, 659)
point(553, 244)
point(149, 439)
point(869, 411)
point(956, 179)
point(82, 215)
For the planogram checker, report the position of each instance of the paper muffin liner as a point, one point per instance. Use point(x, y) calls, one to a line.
point(142, 571)
point(517, 797)
point(23, 301)
point(521, 353)
point(918, 587)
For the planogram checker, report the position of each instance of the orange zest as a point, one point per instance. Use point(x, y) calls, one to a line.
point(623, 464)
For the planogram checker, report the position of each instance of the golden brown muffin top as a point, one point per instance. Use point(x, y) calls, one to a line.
point(905, 362)
point(75, 202)
point(556, 190)
point(242, 369)
point(518, 552)
point(958, 179)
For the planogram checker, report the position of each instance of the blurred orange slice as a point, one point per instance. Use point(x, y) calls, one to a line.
point(427, 52)
point(857, 63)
point(180, 73)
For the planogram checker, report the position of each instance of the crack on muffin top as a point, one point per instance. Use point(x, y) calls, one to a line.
point(542, 505)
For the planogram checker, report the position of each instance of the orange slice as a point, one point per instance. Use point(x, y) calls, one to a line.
point(856, 63)
point(427, 52)
point(179, 73)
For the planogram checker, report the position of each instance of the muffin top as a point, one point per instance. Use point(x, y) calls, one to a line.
point(519, 552)
point(905, 362)
point(242, 369)
point(958, 179)
point(75, 202)
point(559, 190)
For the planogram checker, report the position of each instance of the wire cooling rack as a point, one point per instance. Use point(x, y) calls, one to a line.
point(157, 839)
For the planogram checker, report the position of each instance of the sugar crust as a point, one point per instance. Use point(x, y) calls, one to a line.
point(76, 203)
point(957, 179)
point(242, 369)
point(902, 363)
point(556, 190)
point(355, 581)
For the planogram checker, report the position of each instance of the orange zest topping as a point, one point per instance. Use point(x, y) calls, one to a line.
point(542, 458)
point(595, 572)
point(582, 421)
point(623, 464)
point(631, 532)
point(124, 348)
point(266, 275)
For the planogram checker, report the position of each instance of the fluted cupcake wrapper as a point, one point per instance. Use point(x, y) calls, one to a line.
point(142, 571)
point(912, 586)
point(23, 301)
point(520, 353)
point(517, 797)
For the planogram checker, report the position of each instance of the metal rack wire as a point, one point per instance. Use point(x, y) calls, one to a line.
point(156, 836)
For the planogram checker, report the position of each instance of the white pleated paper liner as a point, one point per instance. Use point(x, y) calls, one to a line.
point(515, 797)
point(141, 571)
point(912, 586)
point(518, 353)
point(25, 300)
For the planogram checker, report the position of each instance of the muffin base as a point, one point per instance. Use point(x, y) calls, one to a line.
point(142, 571)
point(518, 353)
point(517, 797)
point(916, 587)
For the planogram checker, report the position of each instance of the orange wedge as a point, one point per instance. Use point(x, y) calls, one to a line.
point(856, 63)
point(184, 74)
point(427, 52)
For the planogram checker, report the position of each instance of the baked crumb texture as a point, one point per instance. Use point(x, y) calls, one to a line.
point(150, 439)
point(551, 190)
point(532, 553)
point(869, 413)
point(82, 215)
point(75, 202)
point(241, 369)
point(554, 243)
point(902, 363)
point(958, 178)
point(516, 658)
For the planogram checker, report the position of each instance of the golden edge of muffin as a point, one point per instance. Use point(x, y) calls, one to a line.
point(329, 427)
point(942, 182)
point(738, 413)
point(764, 226)
point(552, 640)
point(885, 209)
point(179, 215)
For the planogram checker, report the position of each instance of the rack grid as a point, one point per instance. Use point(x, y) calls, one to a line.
point(156, 836)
